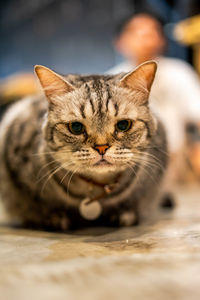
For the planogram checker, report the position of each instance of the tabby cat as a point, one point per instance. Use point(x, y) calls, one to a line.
point(88, 152)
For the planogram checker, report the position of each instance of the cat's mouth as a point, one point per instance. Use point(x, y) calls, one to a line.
point(102, 162)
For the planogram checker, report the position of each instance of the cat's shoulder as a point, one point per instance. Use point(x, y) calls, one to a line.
point(23, 109)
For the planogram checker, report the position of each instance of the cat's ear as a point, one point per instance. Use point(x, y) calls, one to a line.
point(52, 83)
point(141, 78)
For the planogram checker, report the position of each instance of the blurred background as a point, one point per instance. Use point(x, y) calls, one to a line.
point(77, 35)
point(98, 36)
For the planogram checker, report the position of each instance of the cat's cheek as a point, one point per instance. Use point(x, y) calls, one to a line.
point(45, 125)
point(154, 125)
point(143, 140)
point(57, 141)
point(119, 135)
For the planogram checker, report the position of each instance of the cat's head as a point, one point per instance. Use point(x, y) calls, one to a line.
point(97, 123)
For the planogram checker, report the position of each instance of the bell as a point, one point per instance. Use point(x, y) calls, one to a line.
point(91, 210)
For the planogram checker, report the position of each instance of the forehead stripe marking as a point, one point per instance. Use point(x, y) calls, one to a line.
point(88, 96)
point(82, 108)
point(97, 86)
point(116, 109)
point(108, 96)
point(92, 105)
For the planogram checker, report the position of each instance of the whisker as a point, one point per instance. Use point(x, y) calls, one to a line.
point(50, 152)
point(46, 165)
point(149, 155)
point(150, 159)
point(132, 169)
point(53, 173)
point(66, 164)
point(143, 165)
point(159, 149)
point(68, 171)
point(68, 185)
point(149, 162)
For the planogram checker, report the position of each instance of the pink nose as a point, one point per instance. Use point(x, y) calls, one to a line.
point(101, 148)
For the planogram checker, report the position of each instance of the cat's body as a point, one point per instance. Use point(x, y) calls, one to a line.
point(50, 164)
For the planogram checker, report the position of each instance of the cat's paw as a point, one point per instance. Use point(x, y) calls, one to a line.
point(127, 218)
point(124, 219)
point(57, 222)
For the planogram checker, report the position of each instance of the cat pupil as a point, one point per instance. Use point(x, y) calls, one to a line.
point(123, 125)
point(76, 127)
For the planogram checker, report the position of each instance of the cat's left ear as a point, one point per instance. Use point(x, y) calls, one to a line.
point(141, 78)
point(52, 83)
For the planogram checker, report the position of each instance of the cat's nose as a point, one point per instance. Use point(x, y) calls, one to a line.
point(101, 148)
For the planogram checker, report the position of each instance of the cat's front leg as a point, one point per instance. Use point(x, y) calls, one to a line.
point(53, 221)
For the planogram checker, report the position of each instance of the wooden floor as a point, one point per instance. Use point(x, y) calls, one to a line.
point(158, 260)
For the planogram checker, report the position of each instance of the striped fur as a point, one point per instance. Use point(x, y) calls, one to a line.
point(41, 160)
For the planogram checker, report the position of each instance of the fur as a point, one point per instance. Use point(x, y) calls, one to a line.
point(46, 171)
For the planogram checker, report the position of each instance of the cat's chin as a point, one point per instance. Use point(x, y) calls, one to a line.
point(105, 168)
point(102, 163)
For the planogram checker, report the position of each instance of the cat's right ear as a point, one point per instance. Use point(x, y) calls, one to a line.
point(52, 83)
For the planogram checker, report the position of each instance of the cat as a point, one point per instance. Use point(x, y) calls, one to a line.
point(88, 152)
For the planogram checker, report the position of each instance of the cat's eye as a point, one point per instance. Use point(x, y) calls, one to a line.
point(123, 125)
point(76, 127)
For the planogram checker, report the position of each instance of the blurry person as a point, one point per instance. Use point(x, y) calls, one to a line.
point(176, 90)
point(141, 39)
